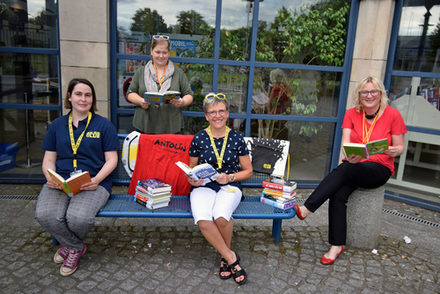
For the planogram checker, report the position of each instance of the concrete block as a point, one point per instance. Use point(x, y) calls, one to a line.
point(364, 214)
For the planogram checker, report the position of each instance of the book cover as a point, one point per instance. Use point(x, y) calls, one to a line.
point(154, 186)
point(161, 98)
point(279, 184)
point(203, 171)
point(277, 204)
point(365, 150)
point(280, 194)
point(146, 197)
point(72, 185)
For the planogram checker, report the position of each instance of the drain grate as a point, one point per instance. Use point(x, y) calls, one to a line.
point(18, 197)
point(411, 218)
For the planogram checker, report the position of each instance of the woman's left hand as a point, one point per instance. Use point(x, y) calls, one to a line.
point(222, 179)
point(90, 186)
point(393, 151)
point(178, 102)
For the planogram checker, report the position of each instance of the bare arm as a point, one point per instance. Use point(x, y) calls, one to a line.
point(243, 174)
point(137, 100)
point(49, 160)
point(192, 163)
point(184, 101)
point(346, 139)
point(111, 161)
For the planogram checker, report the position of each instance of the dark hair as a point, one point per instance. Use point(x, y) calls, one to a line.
point(73, 82)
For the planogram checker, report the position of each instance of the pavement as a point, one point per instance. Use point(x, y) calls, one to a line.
point(171, 256)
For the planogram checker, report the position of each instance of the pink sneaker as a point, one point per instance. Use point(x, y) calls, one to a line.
point(70, 264)
point(61, 255)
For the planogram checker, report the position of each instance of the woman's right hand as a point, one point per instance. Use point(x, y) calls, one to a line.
point(354, 159)
point(195, 183)
point(145, 104)
point(52, 184)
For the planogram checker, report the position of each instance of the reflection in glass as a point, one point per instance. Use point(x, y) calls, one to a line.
point(28, 23)
point(29, 78)
point(194, 124)
point(189, 25)
point(232, 81)
point(309, 156)
point(309, 33)
point(236, 27)
point(418, 43)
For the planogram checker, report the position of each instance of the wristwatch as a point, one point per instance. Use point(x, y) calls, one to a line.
point(232, 177)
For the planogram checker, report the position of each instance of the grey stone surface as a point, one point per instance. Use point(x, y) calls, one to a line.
point(153, 256)
point(364, 210)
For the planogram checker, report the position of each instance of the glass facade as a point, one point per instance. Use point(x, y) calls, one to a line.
point(251, 51)
point(29, 84)
point(414, 91)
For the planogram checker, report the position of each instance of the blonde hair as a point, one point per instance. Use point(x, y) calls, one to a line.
point(377, 84)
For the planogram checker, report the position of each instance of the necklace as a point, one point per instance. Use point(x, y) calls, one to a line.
point(371, 116)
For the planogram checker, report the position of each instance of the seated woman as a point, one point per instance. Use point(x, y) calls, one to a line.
point(213, 204)
point(79, 141)
point(371, 119)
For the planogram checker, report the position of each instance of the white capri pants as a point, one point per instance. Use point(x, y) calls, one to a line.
point(206, 204)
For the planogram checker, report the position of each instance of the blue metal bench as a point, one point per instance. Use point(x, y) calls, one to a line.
point(122, 205)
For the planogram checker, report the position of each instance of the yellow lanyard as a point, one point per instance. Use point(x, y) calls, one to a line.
point(219, 158)
point(160, 81)
point(72, 139)
point(366, 133)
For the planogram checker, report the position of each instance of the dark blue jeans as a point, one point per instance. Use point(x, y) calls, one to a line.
point(337, 186)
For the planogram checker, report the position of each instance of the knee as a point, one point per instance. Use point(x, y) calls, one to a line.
point(76, 220)
point(45, 216)
point(203, 224)
point(222, 222)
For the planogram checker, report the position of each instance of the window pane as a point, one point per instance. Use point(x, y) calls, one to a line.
point(309, 156)
point(194, 124)
point(309, 32)
point(29, 78)
point(418, 45)
point(295, 92)
point(236, 26)
point(233, 80)
point(28, 24)
point(189, 25)
point(419, 106)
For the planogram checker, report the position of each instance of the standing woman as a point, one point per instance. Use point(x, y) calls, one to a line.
point(212, 205)
point(371, 119)
point(79, 141)
point(159, 75)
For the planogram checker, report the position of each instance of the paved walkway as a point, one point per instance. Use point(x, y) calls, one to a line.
point(171, 256)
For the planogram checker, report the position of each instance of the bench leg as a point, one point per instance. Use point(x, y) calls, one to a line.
point(276, 230)
point(54, 241)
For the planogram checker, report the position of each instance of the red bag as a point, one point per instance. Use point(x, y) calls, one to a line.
point(156, 158)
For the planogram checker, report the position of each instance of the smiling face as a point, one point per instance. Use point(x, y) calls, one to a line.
point(370, 97)
point(81, 98)
point(160, 53)
point(217, 115)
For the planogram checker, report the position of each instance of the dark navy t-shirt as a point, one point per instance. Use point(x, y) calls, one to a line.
point(235, 147)
point(99, 137)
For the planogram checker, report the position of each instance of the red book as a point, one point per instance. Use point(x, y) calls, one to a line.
point(278, 184)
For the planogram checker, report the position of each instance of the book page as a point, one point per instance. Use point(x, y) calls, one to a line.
point(75, 182)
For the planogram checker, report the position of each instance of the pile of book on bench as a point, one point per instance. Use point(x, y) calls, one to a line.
point(152, 193)
point(279, 193)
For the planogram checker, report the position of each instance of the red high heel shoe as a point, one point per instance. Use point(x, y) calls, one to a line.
point(328, 261)
point(298, 212)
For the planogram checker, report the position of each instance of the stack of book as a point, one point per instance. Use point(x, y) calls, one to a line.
point(279, 193)
point(152, 193)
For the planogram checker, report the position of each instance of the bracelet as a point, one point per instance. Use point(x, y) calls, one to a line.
point(232, 178)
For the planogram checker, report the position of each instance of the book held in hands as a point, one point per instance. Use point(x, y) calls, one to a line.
point(161, 98)
point(72, 185)
point(365, 150)
point(203, 171)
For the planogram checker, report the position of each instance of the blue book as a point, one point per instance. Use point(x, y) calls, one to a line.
point(277, 204)
point(203, 171)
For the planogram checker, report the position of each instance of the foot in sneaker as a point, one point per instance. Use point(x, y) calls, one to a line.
point(61, 255)
point(70, 264)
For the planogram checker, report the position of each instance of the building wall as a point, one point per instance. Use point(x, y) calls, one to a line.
point(372, 40)
point(85, 47)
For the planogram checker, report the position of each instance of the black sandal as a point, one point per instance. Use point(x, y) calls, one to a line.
point(238, 273)
point(224, 268)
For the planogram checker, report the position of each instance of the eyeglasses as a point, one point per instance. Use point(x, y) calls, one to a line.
point(212, 96)
point(219, 112)
point(157, 37)
point(372, 92)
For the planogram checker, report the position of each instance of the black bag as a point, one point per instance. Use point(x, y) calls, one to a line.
point(266, 153)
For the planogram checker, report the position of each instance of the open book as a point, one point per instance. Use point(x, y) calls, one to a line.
point(203, 171)
point(365, 150)
point(72, 185)
point(161, 98)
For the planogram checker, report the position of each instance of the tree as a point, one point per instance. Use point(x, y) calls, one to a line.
point(147, 21)
point(191, 23)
